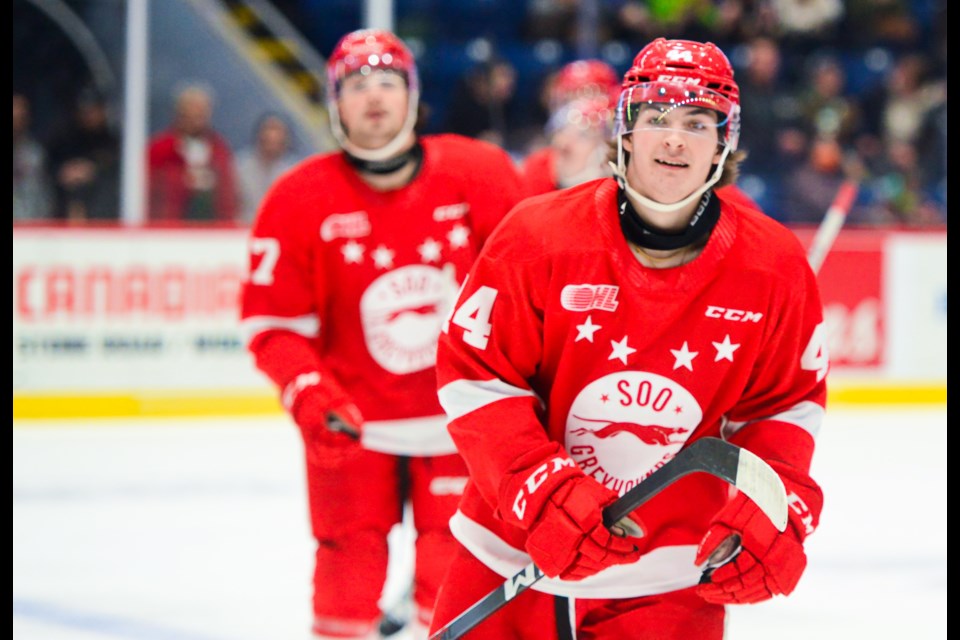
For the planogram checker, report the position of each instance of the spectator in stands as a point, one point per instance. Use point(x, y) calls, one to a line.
point(896, 190)
point(85, 162)
point(807, 24)
point(810, 189)
point(896, 108)
point(483, 103)
point(190, 165)
point(892, 24)
point(31, 186)
point(828, 111)
point(260, 164)
point(772, 109)
point(643, 20)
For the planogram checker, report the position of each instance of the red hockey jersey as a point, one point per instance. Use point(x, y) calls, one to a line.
point(537, 174)
point(361, 279)
point(561, 334)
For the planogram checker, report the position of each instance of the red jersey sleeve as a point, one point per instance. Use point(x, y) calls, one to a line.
point(489, 350)
point(536, 173)
point(280, 297)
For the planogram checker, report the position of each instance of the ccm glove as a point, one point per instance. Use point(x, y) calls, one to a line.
point(329, 421)
point(562, 511)
point(769, 563)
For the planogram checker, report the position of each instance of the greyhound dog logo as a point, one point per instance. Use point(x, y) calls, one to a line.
point(401, 313)
point(623, 426)
point(648, 434)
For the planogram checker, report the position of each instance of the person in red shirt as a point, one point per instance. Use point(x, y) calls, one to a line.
point(190, 166)
point(356, 256)
point(604, 328)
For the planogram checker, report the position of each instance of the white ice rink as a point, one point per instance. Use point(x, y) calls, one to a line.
point(197, 530)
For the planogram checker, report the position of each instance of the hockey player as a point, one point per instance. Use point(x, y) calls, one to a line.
point(581, 99)
point(604, 328)
point(588, 78)
point(578, 133)
point(355, 259)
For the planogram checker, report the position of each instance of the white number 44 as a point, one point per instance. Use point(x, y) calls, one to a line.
point(473, 316)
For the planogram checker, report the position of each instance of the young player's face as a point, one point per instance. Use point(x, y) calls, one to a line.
point(373, 107)
point(672, 151)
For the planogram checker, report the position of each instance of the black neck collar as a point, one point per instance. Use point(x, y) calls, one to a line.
point(648, 237)
point(390, 165)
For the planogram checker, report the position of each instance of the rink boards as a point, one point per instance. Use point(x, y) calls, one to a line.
point(144, 322)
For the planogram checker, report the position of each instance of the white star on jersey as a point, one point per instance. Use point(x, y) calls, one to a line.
point(383, 257)
point(621, 350)
point(352, 252)
point(684, 357)
point(586, 330)
point(725, 349)
point(430, 250)
point(458, 236)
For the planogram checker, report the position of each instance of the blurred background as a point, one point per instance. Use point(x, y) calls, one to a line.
point(125, 287)
point(830, 88)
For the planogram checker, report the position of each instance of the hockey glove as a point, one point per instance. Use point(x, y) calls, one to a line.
point(769, 562)
point(561, 510)
point(329, 421)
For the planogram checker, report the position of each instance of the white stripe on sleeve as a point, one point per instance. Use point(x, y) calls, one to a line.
point(460, 397)
point(308, 326)
point(806, 415)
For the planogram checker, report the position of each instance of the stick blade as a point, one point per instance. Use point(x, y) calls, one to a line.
point(764, 486)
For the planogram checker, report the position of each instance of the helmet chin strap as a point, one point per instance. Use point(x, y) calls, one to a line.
point(620, 173)
point(388, 150)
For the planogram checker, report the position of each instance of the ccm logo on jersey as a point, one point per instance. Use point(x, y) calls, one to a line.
point(450, 211)
point(355, 224)
point(584, 297)
point(737, 315)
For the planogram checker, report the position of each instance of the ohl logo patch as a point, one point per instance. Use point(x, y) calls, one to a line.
point(626, 425)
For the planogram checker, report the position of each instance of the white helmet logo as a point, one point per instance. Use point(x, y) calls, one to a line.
point(680, 55)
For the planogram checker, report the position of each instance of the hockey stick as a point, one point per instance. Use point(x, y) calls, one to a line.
point(741, 468)
point(832, 222)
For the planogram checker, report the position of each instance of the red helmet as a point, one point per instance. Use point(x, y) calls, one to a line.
point(365, 51)
point(590, 113)
point(368, 49)
point(584, 78)
point(682, 73)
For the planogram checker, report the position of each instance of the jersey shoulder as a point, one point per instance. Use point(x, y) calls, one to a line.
point(304, 191)
point(458, 148)
point(768, 244)
point(555, 222)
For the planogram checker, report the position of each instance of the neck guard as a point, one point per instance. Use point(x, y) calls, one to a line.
point(648, 237)
point(390, 165)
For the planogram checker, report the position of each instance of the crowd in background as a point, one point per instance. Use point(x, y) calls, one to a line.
point(831, 91)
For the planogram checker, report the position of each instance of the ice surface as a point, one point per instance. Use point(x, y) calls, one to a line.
point(197, 529)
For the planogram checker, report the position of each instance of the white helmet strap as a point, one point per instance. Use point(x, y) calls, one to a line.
point(620, 172)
